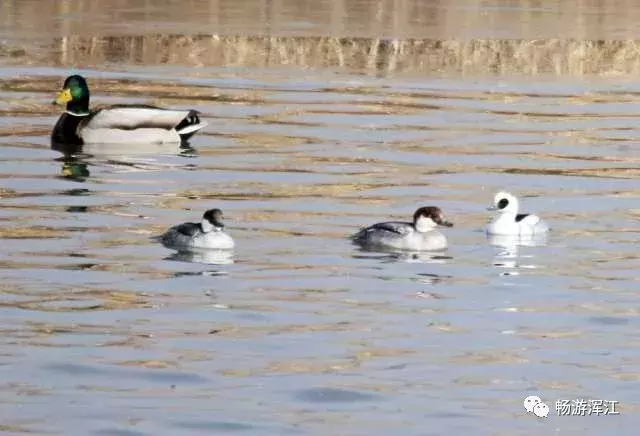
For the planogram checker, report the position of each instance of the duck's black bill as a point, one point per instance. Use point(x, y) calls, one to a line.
point(446, 223)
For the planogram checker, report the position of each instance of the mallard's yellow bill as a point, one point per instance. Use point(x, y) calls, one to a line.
point(67, 171)
point(74, 170)
point(64, 97)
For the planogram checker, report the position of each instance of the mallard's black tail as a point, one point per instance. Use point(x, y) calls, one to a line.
point(189, 125)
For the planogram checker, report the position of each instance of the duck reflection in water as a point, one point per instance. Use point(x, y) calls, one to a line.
point(207, 257)
point(391, 255)
point(123, 149)
point(77, 158)
point(75, 169)
point(509, 256)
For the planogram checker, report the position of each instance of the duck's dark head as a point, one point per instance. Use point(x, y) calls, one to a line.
point(428, 217)
point(212, 219)
point(75, 95)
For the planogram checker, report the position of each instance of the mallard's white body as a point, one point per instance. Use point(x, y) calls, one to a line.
point(133, 125)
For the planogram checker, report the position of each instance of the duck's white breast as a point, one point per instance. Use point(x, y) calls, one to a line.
point(416, 241)
point(433, 240)
point(219, 240)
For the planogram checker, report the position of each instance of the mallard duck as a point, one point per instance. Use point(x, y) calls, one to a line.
point(119, 123)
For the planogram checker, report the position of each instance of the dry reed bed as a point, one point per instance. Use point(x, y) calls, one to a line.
point(367, 55)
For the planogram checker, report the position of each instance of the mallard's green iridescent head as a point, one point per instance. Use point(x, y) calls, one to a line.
point(75, 171)
point(75, 94)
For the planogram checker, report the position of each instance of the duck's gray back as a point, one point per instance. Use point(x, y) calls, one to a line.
point(181, 235)
point(388, 230)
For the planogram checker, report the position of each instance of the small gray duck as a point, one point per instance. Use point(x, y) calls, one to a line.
point(207, 234)
point(419, 235)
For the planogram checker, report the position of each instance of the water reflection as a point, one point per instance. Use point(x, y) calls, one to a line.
point(338, 18)
point(77, 209)
point(208, 257)
point(77, 192)
point(430, 279)
point(119, 149)
point(421, 257)
point(74, 169)
point(509, 256)
point(77, 158)
point(391, 256)
point(513, 241)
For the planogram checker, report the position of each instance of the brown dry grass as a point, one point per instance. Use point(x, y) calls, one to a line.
point(502, 57)
point(373, 36)
point(366, 55)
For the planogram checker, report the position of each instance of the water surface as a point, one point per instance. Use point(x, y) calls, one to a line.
point(106, 332)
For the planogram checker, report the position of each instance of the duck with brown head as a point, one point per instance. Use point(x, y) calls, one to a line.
point(419, 235)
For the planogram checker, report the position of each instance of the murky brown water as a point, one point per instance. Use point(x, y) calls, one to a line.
point(106, 332)
point(605, 19)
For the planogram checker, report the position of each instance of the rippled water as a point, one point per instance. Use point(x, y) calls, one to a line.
point(106, 332)
point(300, 332)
